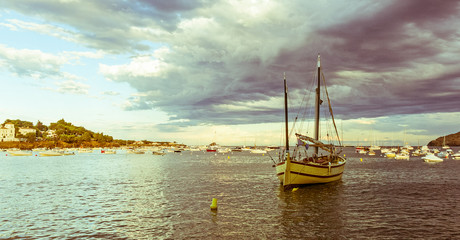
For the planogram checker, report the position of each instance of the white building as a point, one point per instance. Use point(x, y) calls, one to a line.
point(51, 133)
point(7, 133)
point(25, 131)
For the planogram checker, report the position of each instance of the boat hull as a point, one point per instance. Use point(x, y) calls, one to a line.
point(85, 151)
point(20, 153)
point(51, 154)
point(402, 157)
point(432, 159)
point(310, 173)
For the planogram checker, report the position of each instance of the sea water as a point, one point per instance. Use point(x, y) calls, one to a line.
point(131, 196)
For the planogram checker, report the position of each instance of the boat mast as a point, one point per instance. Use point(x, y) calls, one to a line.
point(317, 103)
point(286, 114)
point(287, 170)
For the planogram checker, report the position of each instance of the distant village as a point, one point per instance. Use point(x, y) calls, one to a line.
point(26, 135)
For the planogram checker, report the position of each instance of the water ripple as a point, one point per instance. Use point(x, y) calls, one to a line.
point(168, 197)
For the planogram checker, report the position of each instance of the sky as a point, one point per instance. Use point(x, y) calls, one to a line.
point(199, 71)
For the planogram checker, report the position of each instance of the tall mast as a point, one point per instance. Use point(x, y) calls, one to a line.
point(286, 113)
point(317, 103)
point(287, 171)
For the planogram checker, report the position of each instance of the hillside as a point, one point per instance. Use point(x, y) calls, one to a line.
point(451, 140)
point(64, 134)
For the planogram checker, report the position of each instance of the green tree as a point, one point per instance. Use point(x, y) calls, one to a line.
point(86, 136)
point(40, 126)
point(30, 137)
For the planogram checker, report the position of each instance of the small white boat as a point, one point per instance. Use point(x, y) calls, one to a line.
point(85, 150)
point(223, 150)
point(444, 146)
point(19, 153)
point(402, 156)
point(258, 151)
point(51, 154)
point(374, 147)
point(408, 147)
point(384, 150)
point(108, 151)
point(158, 153)
point(134, 151)
point(456, 156)
point(443, 154)
point(432, 158)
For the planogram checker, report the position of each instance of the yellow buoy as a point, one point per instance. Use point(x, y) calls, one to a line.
point(214, 204)
point(228, 157)
point(361, 159)
point(295, 189)
point(344, 155)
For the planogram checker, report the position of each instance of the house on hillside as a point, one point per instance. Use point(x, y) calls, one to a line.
point(25, 131)
point(50, 134)
point(7, 133)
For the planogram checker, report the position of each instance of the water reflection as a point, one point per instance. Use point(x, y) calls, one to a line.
point(313, 211)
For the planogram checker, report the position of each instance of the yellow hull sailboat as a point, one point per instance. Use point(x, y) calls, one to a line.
point(310, 168)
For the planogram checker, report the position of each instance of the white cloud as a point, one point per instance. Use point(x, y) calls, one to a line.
point(72, 87)
point(46, 29)
point(32, 63)
point(110, 93)
point(94, 55)
point(141, 66)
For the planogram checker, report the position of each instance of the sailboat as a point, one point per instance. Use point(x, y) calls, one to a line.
point(303, 168)
point(444, 146)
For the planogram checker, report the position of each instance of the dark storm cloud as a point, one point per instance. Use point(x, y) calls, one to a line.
point(394, 46)
point(394, 36)
point(385, 49)
point(174, 6)
point(225, 60)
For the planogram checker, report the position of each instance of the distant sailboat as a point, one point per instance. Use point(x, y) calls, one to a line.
point(212, 147)
point(444, 146)
point(301, 169)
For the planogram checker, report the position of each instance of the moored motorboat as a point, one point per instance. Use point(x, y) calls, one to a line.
point(103, 151)
point(51, 153)
point(134, 151)
point(402, 156)
point(19, 153)
point(258, 151)
point(85, 150)
point(390, 154)
point(443, 154)
point(158, 153)
point(432, 158)
point(456, 156)
point(212, 147)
